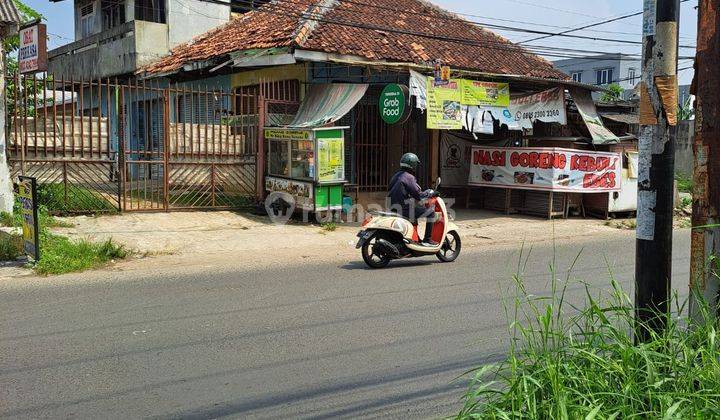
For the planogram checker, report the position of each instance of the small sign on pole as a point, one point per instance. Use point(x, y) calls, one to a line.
point(27, 194)
point(32, 55)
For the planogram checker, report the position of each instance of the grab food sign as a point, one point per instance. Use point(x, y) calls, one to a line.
point(552, 169)
point(32, 55)
point(393, 103)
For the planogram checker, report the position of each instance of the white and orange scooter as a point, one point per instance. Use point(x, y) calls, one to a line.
point(388, 236)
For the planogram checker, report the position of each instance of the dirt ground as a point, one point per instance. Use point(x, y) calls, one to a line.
point(208, 232)
point(162, 241)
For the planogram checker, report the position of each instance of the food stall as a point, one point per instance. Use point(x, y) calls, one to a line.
point(307, 164)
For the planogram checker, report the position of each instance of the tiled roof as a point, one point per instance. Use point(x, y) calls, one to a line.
point(8, 13)
point(405, 31)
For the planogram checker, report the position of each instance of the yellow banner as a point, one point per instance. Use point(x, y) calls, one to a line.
point(287, 134)
point(331, 162)
point(485, 93)
point(443, 105)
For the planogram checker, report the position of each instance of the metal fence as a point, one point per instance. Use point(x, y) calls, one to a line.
point(103, 146)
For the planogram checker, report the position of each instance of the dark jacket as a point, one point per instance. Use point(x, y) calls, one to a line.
point(404, 187)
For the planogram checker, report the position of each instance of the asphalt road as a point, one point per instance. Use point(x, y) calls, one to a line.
point(318, 340)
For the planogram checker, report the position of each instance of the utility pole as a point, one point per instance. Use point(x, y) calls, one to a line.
point(704, 270)
point(658, 120)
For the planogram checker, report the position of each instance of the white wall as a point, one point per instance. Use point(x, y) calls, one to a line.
point(190, 18)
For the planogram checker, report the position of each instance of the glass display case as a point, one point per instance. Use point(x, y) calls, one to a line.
point(307, 165)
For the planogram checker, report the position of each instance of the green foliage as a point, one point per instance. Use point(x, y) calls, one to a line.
point(27, 14)
point(60, 255)
point(9, 247)
point(569, 362)
point(686, 110)
point(75, 199)
point(45, 219)
point(613, 94)
point(684, 183)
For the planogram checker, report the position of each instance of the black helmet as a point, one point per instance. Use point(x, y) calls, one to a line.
point(410, 161)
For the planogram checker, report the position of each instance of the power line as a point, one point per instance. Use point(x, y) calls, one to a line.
point(592, 25)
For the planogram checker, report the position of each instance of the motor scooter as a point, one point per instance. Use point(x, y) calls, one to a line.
point(387, 236)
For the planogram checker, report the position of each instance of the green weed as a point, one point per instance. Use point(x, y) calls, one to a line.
point(60, 255)
point(581, 362)
point(9, 247)
point(329, 227)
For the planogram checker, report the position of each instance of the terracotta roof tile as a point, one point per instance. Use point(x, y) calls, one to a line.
point(373, 29)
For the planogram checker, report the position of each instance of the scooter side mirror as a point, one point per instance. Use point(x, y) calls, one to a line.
point(437, 183)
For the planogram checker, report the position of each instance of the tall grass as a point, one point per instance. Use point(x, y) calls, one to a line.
point(580, 362)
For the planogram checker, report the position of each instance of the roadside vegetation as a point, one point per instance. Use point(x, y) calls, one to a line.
point(568, 362)
point(59, 254)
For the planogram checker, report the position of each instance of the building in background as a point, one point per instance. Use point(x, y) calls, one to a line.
point(603, 70)
point(114, 38)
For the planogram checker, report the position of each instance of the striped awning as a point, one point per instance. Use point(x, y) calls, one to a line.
point(326, 103)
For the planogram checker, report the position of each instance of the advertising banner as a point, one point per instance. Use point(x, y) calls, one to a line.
point(443, 105)
point(331, 162)
point(301, 192)
point(550, 169)
point(32, 51)
point(547, 106)
point(586, 107)
point(27, 196)
point(485, 93)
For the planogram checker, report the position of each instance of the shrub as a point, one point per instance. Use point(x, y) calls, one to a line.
point(9, 248)
point(570, 363)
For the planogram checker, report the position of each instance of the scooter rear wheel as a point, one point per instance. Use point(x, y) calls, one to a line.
point(451, 248)
point(372, 258)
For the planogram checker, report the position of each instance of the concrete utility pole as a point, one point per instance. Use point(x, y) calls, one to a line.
point(658, 120)
point(706, 190)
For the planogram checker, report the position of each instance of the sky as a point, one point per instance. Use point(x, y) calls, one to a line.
point(551, 16)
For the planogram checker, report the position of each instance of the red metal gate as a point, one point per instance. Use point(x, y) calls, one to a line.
point(102, 146)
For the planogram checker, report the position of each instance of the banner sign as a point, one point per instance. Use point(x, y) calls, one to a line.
point(443, 105)
point(32, 52)
point(331, 162)
point(301, 192)
point(27, 195)
point(550, 169)
point(586, 107)
point(547, 106)
point(485, 93)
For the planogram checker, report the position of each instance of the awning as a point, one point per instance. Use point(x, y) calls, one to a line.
point(586, 107)
point(326, 103)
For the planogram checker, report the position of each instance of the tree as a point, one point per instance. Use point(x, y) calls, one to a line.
point(613, 94)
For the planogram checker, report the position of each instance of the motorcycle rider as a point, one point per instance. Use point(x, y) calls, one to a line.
point(404, 195)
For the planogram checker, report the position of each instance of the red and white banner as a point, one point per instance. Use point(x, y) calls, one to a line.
point(550, 169)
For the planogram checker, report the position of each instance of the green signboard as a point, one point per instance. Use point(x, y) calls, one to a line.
point(27, 195)
point(393, 103)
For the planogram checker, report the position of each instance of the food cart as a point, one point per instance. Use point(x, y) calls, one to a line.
point(307, 164)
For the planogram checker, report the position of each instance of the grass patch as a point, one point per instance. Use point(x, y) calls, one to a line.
point(75, 199)
point(45, 219)
point(60, 255)
point(625, 224)
point(684, 183)
point(580, 362)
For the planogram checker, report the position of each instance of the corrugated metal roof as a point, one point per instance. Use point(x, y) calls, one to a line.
point(9, 13)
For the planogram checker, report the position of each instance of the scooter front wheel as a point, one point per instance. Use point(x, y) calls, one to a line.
point(372, 257)
point(450, 248)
